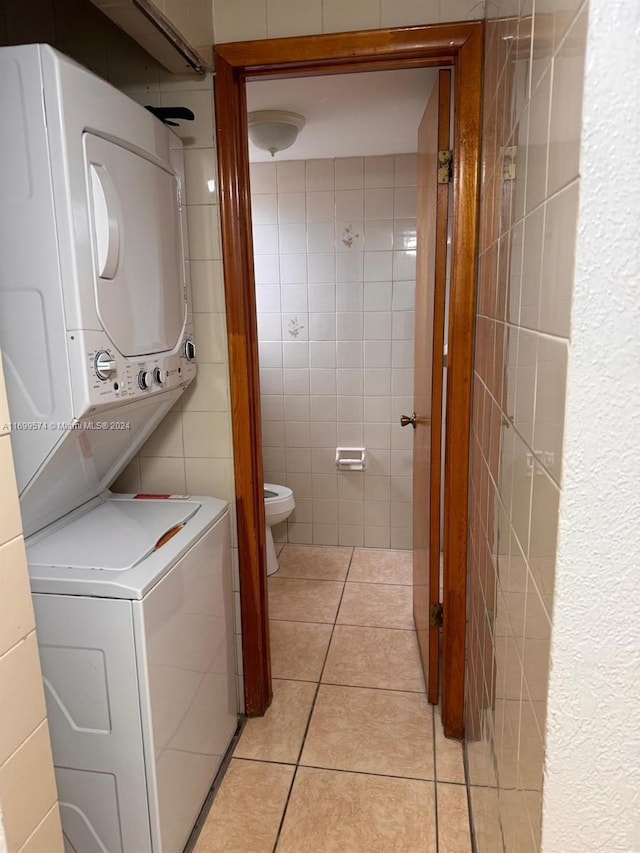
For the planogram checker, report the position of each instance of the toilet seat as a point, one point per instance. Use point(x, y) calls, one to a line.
point(277, 499)
point(279, 503)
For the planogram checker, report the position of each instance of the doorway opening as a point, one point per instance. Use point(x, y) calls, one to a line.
point(458, 46)
point(334, 241)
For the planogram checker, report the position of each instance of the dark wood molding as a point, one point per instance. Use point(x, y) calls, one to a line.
point(458, 45)
point(237, 254)
point(440, 43)
point(464, 245)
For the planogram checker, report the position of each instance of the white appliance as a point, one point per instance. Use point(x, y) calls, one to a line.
point(134, 611)
point(94, 319)
point(139, 672)
point(132, 595)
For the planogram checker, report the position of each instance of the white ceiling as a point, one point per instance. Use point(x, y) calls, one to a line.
point(347, 115)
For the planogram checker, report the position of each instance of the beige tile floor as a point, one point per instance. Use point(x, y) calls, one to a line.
point(350, 756)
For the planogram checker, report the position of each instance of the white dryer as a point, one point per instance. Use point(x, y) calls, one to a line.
point(95, 323)
point(132, 596)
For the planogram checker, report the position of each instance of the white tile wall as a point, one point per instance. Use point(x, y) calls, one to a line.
point(254, 19)
point(331, 314)
point(532, 98)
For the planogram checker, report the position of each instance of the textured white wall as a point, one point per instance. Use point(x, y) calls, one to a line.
point(591, 790)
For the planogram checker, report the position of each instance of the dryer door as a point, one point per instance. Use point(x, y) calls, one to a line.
point(138, 255)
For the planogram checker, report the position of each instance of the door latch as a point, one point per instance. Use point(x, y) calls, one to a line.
point(414, 420)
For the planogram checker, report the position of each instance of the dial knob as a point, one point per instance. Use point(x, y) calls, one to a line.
point(160, 376)
point(104, 364)
point(145, 380)
point(189, 350)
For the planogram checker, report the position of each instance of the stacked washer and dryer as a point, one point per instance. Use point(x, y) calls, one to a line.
point(132, 593)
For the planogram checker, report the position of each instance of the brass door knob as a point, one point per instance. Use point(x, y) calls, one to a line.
point(405, 420)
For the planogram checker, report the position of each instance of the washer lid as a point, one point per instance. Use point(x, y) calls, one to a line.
point(115, 536)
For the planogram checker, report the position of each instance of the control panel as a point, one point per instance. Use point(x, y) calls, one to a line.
point(103, 377)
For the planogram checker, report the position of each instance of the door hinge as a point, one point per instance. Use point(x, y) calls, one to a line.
point(509, 163)
point(435, 615)
point(445, 166)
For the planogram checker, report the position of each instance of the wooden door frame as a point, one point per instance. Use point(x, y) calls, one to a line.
point(456, 45)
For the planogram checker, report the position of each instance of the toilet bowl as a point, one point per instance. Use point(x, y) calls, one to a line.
point(278, 506)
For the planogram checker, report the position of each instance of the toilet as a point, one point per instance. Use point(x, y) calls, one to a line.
point(278, 506)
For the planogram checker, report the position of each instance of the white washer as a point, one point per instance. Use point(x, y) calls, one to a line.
point(134, 609)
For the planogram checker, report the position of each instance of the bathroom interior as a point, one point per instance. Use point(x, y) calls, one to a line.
point(334, 239)
point(334, 247)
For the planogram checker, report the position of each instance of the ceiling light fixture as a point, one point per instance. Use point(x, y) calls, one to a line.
point(274, 130)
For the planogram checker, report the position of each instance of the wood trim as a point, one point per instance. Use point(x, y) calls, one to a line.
point(237, 254)
point(379, 64)
point(466, 135)
point(434, 41)
point(448, 44)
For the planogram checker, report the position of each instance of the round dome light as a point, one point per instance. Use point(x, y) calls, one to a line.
point(274, 130)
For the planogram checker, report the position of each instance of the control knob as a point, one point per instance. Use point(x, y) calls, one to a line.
point(160, 376)
point(104, 364)
point(145, 380)
point(189, 350)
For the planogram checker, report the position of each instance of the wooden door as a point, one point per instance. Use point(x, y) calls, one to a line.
point(433, 200)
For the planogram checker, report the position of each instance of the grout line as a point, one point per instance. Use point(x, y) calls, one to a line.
point(435, 778)
point(346, 624)
point(472, 829)
point(264, 761)
point(366, 773)
point(375, 627)
point(368, 687)
point(382, 583)
point(313, 705)
point(284, 810)
point(353, 686)
point(505, 788)
point(373, 687)
point(277, 575)
point(342, 624)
